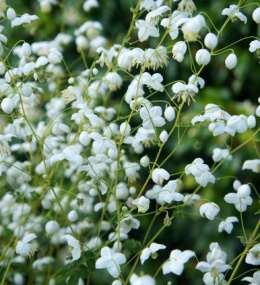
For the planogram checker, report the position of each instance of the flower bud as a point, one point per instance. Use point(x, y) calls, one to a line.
point(82, 42)
point(243, 191)
point(73, 216)
point(231, 61)
point(52, 227)
point(7, 105)
point(236, 184)
point(256, 15)
point(125, 129)
point(251, 121)
point(71, 80)
point(10, 13)
point(144, 161)
point(26, 50)
point(84, 138)
point(203, 57)
point(211, 41)
point(257, 111)
point(163, 136)
point(169, 114)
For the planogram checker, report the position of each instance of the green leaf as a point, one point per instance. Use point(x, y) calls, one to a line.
point(242, 239)
point(83, 271)
point(91, 265)
point(74, 279)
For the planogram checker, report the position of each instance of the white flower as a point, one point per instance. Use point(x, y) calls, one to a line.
point(153, 81)
point(251, 121)
point(205, 178)
point(254, 45)
point(152, 117)
point(113, 80)
point(176, 262)
point(255, 280)
point(241, 199)
point(125, 129)
point(238, 123)
point(24, 248)
point(219, 154)
point(184, 92)
point(146, 30)
point(253, 256)
point(73, 216)
point(144, 161)
point(151, 251)
point(89, 4)
point(143, 280)
point(192, 27)
point(227, 224)
point(209, 210)
point(142, 204)
point(24, 19)
point(233, 12)
point(256, 15)
point(128, 223)
point(197, 167)
point(203, 57)
point(231, 61)
point(169, 194)
point(179, 50)
point(216, 261)
point(111, 261)
point(70, 153)
point(253, 165)
point(7, 105)
point(211, 41)
point(159, 175)
point(74, 246)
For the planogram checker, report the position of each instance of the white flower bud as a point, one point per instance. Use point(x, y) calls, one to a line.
point(95, 71)
point(231, 61)
point(52, 227)
point(26, 50)
point(125, 129)
point(132, 190)
point(112, 153)
point(169, 114)
point(144, 161)
point(256, 15)
point(81, 42)
point(203, 57)
point(11, 15)
point(211, 41)
point(257, 111)
point(7, 105)
point(243, 191)
point(26, 91)
point(236, 184)
point(251, 121)
point(71, 80)
point(84, 138)
point(73, 216)
point(163, 136)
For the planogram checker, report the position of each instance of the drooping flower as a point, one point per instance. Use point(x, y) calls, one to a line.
point(233, 12)
point(143, 280)
point(159, 175)
point(142, 204)
point(151, 251)
point(152, 117)
point(227, 224)
point(24, 248)
point(241, 199)
point(255, 280)
point(253, 165)
point(111, 261)
point(176, 261)
point(253, 256)
point(209, 210)
point(74, 246)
